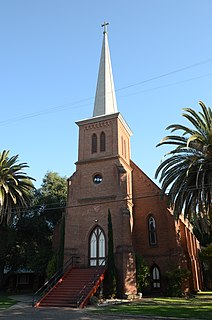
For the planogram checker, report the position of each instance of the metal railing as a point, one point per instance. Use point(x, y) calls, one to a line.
point(85, 291)
point(48, 285)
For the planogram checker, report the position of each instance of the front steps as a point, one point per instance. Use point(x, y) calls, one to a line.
point(74, 289)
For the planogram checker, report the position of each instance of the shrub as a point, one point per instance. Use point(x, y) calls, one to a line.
point(52, 266)
point(206, 258)
point(93, 301)
point(142, 274)
point(174, 279)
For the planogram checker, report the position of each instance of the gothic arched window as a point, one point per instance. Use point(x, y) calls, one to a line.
point(152, 231)
point(155, 277)
point(94, 143)
point(97, 247)
point(122, 146)
point(125, 150)
point(102, 141)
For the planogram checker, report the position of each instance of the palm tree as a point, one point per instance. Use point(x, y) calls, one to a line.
point(15, 191)
point(187, 171)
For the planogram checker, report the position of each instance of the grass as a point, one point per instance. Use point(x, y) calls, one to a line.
point(6, 302)
point(198, 307)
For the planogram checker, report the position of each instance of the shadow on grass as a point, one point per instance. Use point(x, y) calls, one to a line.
point(199, 307)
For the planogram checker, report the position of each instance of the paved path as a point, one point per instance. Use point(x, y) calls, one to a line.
point(29, 313)
point(23, 311)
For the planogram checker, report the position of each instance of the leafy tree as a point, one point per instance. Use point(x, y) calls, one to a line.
point(188, 169)
point(31, 235)
point(110, 277)
point(29, 244)
point(51, 197)
point(206, 258)
point(205, 238)
point(15, 194)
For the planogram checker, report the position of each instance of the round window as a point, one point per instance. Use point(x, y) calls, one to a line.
point(97, 179)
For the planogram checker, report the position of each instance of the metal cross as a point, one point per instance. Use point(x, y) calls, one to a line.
point(105, 24)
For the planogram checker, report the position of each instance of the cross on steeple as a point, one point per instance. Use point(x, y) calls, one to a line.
point(105, 24)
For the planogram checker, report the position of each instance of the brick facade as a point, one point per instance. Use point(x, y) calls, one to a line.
point(106, 179)
point(89, 202)
point(175, 246)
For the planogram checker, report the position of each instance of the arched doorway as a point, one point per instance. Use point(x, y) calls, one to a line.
point(97, 248)
point(155, 277)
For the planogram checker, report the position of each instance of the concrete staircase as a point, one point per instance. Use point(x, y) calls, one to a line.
point(74, 289)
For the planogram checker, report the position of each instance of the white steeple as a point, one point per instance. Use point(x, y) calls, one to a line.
point(105, 99)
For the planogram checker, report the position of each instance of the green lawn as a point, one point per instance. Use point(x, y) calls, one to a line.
point(6, 302)
point(199, 307)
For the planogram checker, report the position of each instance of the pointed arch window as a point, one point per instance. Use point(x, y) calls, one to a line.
point(125, 150)
point(97, 247)
point(155, 277)
point(102, 141)
point(152, 231)
point(94, 143)
point(122, 146)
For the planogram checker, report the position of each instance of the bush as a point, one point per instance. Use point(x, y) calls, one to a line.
point(175, 278)
point(206, 259)
point(93, 301)
point(52, 266)
point(142, 274)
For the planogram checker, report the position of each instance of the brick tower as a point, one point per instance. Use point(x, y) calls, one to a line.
point(102, 181)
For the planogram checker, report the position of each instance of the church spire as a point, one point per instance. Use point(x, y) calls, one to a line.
point(105, 99)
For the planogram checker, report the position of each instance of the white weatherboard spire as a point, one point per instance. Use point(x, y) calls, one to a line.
point(105, 99)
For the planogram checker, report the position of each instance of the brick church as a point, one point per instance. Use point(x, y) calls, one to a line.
point(106, 179)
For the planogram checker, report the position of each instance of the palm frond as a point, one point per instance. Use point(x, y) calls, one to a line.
point(15, 186)
point(187, 170)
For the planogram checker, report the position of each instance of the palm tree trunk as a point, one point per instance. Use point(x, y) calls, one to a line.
point(3, 251)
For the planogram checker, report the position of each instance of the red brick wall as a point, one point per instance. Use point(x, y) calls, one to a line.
point(88, 203)
point(174, 239)
point(131, 197)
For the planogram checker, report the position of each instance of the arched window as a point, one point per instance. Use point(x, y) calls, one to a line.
point(125, 151)
point(94, 143)
point(155, 277)
point(97, 247)
point(152, 231)
point(122, 146)
point(102, 141)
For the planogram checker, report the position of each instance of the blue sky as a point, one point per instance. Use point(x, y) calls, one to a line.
point(161, 52)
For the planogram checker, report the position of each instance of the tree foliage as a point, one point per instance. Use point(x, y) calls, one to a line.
point(52, 196)
point(187, 171)
point(15, 194)
point(142, 274)
point(110, 277)
point(206, 258)
point(15, 187)
point(175, 278)
point(34, 236)
point(29, 238)
point(34, 230)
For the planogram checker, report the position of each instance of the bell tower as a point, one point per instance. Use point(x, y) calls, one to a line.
point(102, 181)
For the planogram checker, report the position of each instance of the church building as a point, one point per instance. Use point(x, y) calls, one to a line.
point(107, 180)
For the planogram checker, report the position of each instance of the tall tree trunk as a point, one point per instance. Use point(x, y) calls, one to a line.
point(3, 251)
